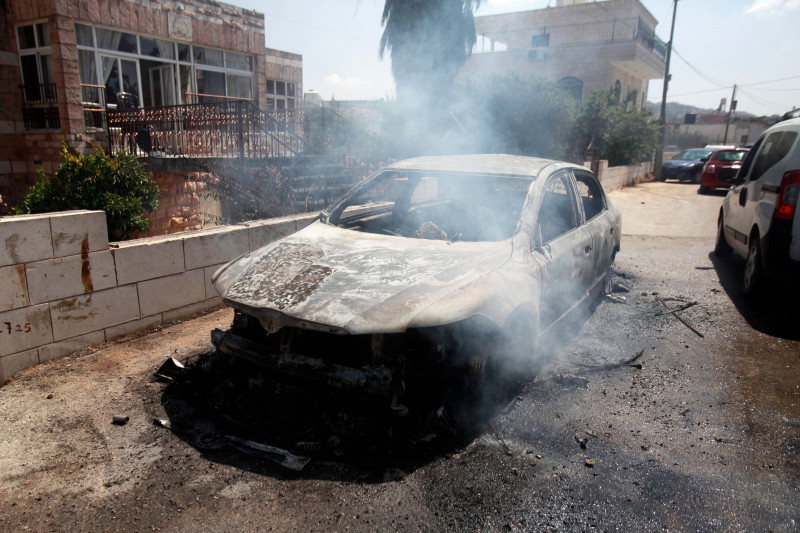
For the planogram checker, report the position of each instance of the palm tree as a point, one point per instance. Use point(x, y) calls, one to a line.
point(429, 41)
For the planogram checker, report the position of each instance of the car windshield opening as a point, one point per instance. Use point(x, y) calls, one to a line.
point(435, 205)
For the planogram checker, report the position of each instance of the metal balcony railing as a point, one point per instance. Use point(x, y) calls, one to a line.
point(223, 128)
point(40, 106)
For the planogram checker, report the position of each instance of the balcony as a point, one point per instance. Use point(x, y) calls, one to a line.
point(40, 106)
point(626, 42)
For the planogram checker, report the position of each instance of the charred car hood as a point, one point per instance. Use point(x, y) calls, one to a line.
point(339, 280)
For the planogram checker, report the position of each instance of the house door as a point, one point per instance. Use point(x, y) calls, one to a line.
point(119, 75)
point(162, 86)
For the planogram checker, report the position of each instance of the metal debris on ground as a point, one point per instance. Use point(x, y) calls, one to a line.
point(162, 423)
point(282, 457)
point(616, 299)
point(308, 447)
point(619, 287)
point(628, 362)
point(499, 435)
point(170, 370)
point(677, 309)
point(120, 420)
point(674, 312)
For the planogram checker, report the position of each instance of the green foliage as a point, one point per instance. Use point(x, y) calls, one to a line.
point(620, 132)
point(116, 184)
point(252, 193)
point(518, 116)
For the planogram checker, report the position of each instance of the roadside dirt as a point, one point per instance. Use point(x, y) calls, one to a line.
point(705, 436)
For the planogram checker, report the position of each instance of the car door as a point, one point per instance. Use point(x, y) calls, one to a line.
point(756, 196)
point(599, 225)
point(736, 221)
point(562, 247)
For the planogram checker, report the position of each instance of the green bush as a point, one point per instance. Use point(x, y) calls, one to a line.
point(116, 184)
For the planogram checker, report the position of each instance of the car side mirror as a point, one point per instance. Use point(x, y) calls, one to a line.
point(704, 159)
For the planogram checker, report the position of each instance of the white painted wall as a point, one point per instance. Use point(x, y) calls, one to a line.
point(63, 287)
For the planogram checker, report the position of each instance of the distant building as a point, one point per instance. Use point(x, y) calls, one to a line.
point(709, 128)
point(104, 70)
point(581, 45)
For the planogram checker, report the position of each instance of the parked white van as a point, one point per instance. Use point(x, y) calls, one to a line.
point(758, 219)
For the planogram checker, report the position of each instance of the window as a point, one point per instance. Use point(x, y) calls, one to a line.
point(157, 71)
point(773, 149)
point(281, 94)
point(238, 61)
point(157, 48)
point(38, 77)
point(116, 40)
point(558, 213)
point(617, 92)
point(540, 41)
point(591, 195)
point(208, 56)
point(572, 86)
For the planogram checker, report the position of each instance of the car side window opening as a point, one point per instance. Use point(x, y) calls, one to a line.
point(590, 194)
point(775, 147)
point(748, 160)
point(558, 213)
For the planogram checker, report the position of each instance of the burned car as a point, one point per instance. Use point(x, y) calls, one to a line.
point(435, 266)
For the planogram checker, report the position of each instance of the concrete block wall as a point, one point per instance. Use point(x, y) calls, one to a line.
point(63, 287)
point(623, 176)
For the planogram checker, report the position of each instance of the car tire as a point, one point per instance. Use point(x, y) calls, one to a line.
point(754, 275)
point(702, 190)
point(662, 177)
point(721, 246)
point(696, 178)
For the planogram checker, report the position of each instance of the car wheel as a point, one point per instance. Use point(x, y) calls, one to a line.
point(754, 275)
point(662, 177)
point(696, 178)
point(721, 246)
point(702, 190)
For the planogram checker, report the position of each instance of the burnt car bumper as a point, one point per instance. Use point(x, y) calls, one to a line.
point(376, 380)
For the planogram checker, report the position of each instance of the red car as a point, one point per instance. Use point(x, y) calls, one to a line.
point(721, 168)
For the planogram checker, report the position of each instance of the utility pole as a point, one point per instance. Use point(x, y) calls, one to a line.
point(663, 117)
point(731, 108)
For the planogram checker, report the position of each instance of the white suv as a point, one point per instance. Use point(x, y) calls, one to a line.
point(758, 219)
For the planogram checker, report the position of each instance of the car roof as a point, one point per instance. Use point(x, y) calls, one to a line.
point(498, 164)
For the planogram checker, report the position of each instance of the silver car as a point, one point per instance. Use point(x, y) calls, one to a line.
point(434, 266)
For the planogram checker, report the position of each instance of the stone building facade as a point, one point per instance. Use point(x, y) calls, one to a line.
point(580, 44)
point(64, 64)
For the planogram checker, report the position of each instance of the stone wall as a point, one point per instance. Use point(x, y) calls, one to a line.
point(63, 287)
point(618, 177)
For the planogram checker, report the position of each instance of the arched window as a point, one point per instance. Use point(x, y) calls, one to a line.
point(617, 91)
point(572, 86)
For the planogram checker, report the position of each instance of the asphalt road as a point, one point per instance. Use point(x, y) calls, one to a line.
point(704, 436)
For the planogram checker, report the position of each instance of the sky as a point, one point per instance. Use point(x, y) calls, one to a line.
point(718, 43)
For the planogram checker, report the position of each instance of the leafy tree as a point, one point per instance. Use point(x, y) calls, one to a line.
point(509, 114)
point(620, 132)
point(429, 41)
point(116, 184)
